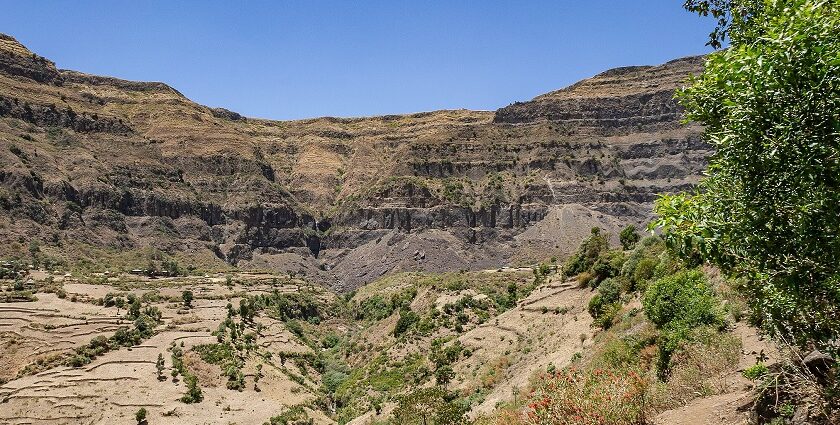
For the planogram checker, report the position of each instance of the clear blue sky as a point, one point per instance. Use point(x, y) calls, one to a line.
point(308, 58)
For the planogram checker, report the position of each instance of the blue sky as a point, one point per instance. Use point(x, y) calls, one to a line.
point(299, 59)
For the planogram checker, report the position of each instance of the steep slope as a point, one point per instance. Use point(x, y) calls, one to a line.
point(134, 173)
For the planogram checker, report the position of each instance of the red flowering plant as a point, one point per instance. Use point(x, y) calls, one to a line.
point(587, 397)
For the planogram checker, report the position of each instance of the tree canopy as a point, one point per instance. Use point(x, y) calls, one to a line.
point(769, 208)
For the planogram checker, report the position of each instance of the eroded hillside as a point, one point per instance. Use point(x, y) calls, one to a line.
point(129, 175)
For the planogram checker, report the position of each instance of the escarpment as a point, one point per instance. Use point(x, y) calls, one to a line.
point(132, 168)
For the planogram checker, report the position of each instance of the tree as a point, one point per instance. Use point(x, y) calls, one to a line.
point(34, 252)
point(733, 17)
point(407, 319)
point(193, 394)
point(429, 406)
point(134, 308)
point(120, 303)
point(769, 208)
point(444, 374)
point(587, 253)
point(628, 237)
point(140, 415)
point(257, 376)
point(159, 365)
point(187, 296)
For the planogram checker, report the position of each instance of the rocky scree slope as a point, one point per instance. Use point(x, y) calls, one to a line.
point(102, 167)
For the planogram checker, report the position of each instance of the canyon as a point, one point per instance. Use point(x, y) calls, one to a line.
point(121, 174)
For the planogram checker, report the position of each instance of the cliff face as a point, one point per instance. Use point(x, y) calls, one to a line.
point(97, 166)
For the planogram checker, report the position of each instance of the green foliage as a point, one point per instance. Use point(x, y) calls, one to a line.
point(628, 237)
point(285, 306)
point(296, 415)
point(333, 379)
point(378, 307)
point(607, 265)
point(732, 17)
point(407, 319)
point(187, 296)
point(587, 253)
point(218, 354)
point(159, 366)
point(769, 208)
point(296, 328)
point(756, 371)
point(677, 304)
point(430, 406)
point(607, 315)
point(605, 305)
point(682, 298)
point(236, 379)
point(330, 340)
point(444, 374)
point(172, 268)
point(134, 308)
point(193, 394)
point(140, 416)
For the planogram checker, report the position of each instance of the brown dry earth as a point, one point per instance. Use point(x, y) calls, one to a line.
point(115, 385)
point(733, 407)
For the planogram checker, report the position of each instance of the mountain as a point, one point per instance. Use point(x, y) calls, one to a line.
point(106, 173)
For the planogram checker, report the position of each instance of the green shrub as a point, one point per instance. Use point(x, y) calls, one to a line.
point(628, 237)
point(608, 265)
point(407, 319)
point(685, 297)
point(647, 251)
point(607, 316)
point(677, 305)
point(604, 305)
point(429, 406)
point(296, 415)
point(755, 371)
point(330, 340)
point(587, 253)
point(218, 354)
point(140, 416)
point(193, 394)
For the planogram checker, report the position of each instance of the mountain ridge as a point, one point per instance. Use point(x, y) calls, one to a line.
point(143, 173)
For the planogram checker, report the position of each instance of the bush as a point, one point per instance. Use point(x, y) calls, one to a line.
point(604, 306)
point(187, 296)
point(587, 397)
point(755, 371)
point(607, 316)
point(685, 297)
point(429, 406)
point(608, 265)
point(140, 416)
point(407, 319)
point(678, 304)
point(628, 237)
point(296, 415)
point(193, 394)
point(587, 253)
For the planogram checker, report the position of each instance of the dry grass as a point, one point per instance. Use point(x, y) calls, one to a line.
point(699, 369)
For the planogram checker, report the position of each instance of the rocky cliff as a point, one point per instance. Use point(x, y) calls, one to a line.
point(117, 173)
